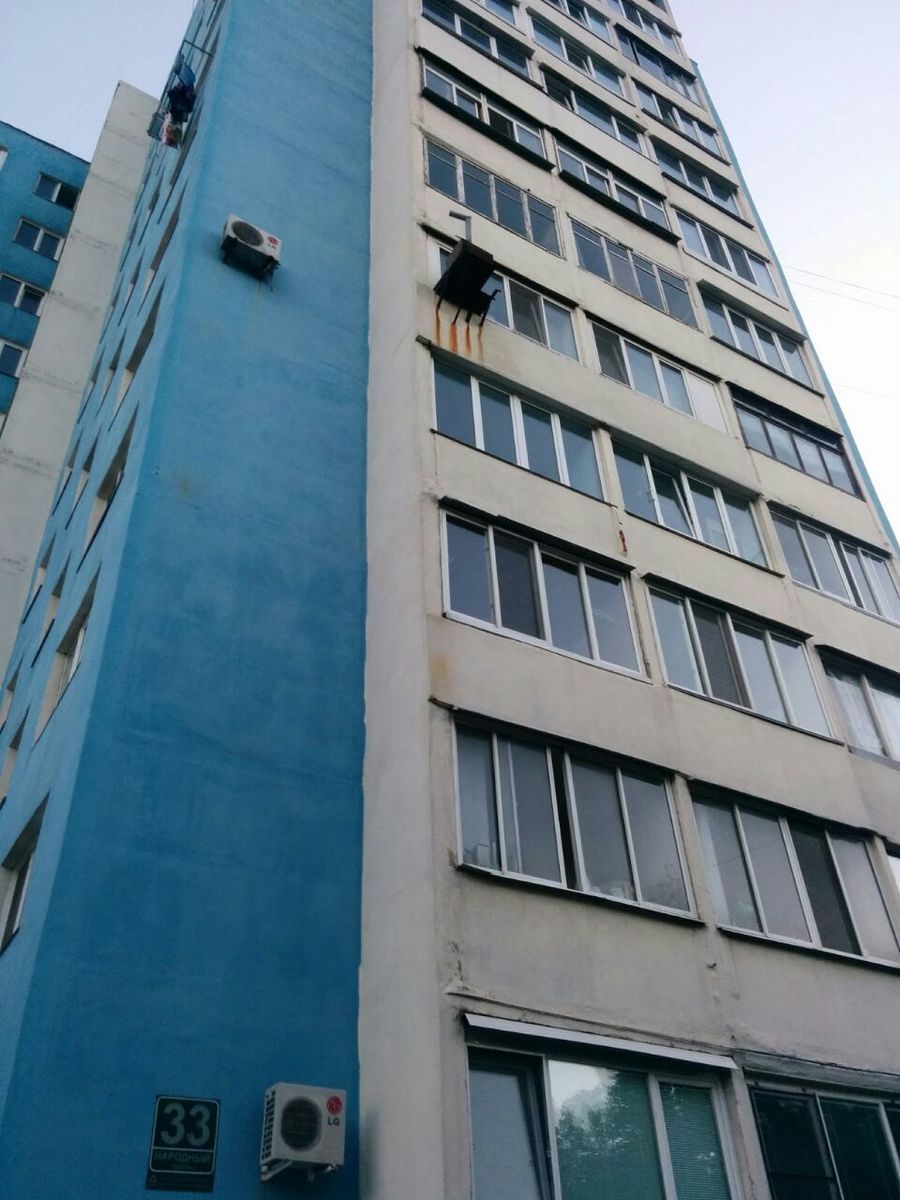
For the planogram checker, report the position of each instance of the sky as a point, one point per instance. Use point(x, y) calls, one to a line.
point(805, 89)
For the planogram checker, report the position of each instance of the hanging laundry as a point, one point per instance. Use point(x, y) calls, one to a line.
point(181, 97)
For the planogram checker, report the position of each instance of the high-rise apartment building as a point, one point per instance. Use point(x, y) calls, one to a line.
point(499, 721)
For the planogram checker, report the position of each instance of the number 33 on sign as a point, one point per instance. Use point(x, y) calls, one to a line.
point(183, 1145)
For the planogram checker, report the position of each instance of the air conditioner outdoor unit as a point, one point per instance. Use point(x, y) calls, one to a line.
point(302, 1127)
point(250, 247)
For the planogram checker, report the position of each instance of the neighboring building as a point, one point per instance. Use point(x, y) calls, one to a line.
point(502, 722)
point(39, 188)
point(70, 306)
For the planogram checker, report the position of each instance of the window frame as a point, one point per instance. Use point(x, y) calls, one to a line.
point(671, 74)
point(658, 361)
point(890, 749)
point(518, 427)
point(616, 119)
point(740, 672)
point(613, 185)
point(685, 478)
point(459, 168)
point(59, 184)
point(535, 1061)
point(17, 867)
point(16, 373)
point(736, 808)
point(43, 232)
point(25, 286)
point(838, 544)
point(728, 244)
point(505, 282)
point(682, 175)
point(495, 37)
point(538, 553)
point(683, 122)
point(570, 51)
point(484, 105)
point(775, 334)
point(837, 448)
point(658, 30)
point(602, 240)
point(565, 6)
point(559, 758)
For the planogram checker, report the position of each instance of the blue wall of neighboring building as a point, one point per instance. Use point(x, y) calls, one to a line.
point(26, 158)
point(192, 922)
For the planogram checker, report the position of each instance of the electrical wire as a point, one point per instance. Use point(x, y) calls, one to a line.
point(840, 295)
point(849, 283)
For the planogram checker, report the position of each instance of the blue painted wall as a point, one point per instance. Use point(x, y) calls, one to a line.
point(26, 158)
point(192, 923)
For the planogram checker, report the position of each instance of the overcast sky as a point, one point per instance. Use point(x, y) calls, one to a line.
point(806, 90)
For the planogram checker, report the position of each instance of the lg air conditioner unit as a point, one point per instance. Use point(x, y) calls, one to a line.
point(250, 247)
point(302, 1127)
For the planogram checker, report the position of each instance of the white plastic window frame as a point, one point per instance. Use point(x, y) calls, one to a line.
point(564, 758)
point(686, 166)
point(461, 162)
point(459, 17)
point(737, 663)
point(518, 424)
point(572, 9)
point(684, 480)
point(685, 123)
point(836, 545)
point(537, 553)
point(815, 938)
point(544, 300)
point(570, 52)
point(616, 120)
point(777, 337)
point(614, 185)
point(602, 241)
point(658, 30)
point(772, 292)
point(889, 746)
point(24, 287)
point(39, 240)
point(20, 363)
point(658, 361)
point(484, 105)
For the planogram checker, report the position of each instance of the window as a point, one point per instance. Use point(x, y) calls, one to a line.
point(42, 241)
point(824, 561)
point(708, 650)
point(7, 698)
point(67, 473)
point(644, 371)
point(4, 154)
point(785, 877)
point(630, 271)
point(470, 100)
point(108, 487)
point(40, 574)
point(593, 110)
point(85, 473)
point(66, 661)
point(757, 339)
point(538, 594)
point(495, 198)
point(11, 358)
point(9, 760)
point(604, 179)
point(820, 455)
point(53, 604)
point(56, 192)
point(161, 249)
point(21, 295)
point(478, 34)
point(612, 1131)
point(529, 808)
point(722, 252)
point(112, 368)
point(677, 118)
point(482, 415)
point(870, 705)
point(525, 310)
point(698, 179)
point(574, 54)
point(587, 16)
point(814, 1144)
point(129, 291)
point(656, 29)
point(15, 873)
point(702, 510)
point(506, 9)
point(667, 72)
point(137, 354)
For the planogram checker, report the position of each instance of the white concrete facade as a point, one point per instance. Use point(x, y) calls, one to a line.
point(442, 938)
point(34, 439)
